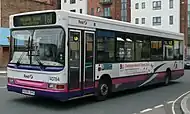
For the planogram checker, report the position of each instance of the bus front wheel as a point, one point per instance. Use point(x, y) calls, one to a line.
point(103, 90)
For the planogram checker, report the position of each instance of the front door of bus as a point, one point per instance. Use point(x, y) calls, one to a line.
point(81, 62)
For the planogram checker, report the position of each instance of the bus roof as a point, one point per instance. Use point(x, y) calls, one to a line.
point(111, 24)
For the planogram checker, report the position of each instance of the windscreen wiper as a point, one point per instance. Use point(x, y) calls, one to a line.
point(36, 58)
point(20, 58)
point(39, 62)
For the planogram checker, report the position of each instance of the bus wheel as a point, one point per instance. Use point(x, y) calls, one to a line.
point(167, 78)
point(103, 90)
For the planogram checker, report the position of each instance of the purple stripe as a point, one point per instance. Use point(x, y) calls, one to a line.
point(55, 95)
point(29, 67)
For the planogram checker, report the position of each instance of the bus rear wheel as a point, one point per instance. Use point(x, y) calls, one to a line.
point(103, 90)
point(167, 78)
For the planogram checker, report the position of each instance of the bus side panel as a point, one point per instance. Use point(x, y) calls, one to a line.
point(138, 74)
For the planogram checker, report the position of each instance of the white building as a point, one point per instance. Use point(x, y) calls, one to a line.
point(161, 14)
point(79, 6)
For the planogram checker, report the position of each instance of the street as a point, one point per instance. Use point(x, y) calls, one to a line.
point(127, 102)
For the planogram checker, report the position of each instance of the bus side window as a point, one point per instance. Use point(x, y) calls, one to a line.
point(169, 50)
point(105, 46)
point(181, 50)
point(142, 46)
point(156, 48)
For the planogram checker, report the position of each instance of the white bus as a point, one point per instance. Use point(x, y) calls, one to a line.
point(65, 55)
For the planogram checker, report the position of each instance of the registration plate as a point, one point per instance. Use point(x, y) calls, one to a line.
point(28, 92)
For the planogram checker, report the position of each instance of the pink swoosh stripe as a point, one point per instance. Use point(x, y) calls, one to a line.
point(30, 83)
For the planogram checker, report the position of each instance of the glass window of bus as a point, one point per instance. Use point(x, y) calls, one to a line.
point(176, 50)
point(168, 49)
point(156, 48)
point(125, 47)
point(105, 46)
point(142, 46)
point(48, 46)
point(181, 46)
point(20, 40)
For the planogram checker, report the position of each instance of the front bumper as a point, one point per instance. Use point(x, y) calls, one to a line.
point(41, 93)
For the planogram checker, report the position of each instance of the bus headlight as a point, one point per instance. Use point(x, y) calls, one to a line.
point(56, 86)
point(52, 86)
point(11, 80)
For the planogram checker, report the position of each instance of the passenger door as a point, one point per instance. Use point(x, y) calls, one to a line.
point(89, 61)
point(81, 62)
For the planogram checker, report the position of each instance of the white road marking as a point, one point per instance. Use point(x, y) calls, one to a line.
point(169, 102)
point(158, 106)
point(146, 110)
point(173, 104)
point(3, 87)
point(161, 105)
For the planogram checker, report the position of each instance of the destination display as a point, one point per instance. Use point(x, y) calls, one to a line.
point(35, 19)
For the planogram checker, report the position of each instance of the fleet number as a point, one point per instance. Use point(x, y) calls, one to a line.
point(54, 79)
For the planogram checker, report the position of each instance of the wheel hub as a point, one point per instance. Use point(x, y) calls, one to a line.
point(104, 89)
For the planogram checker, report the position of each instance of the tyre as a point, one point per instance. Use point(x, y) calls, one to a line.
point(167, 78)
point(103, 90)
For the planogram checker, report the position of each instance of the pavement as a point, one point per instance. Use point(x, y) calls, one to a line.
point(3, 70)
point(155, 99)
point(185, 104)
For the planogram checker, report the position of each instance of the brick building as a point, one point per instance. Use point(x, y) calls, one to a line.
point(184, 23)
point(114, 9)
point(8, 7)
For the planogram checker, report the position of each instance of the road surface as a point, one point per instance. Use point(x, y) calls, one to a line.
point(128, 102)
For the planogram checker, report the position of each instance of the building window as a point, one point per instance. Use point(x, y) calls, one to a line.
point(123, 4)
point(171, 5)
point(47, 2)
point(80, 10)
point(73, 10)
point(188, 18)
point(143, 20)
point(123, 10)
point(123, 18)
point(156, 5)
point(58, 4)
point(136, 20)
point(98, 9)
point(156, 21)
point(72, 1)
point(92, 11)
point(65, 1)
point(143, 5)
point(137, 6)
point(107, 12)
point(171, 20)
